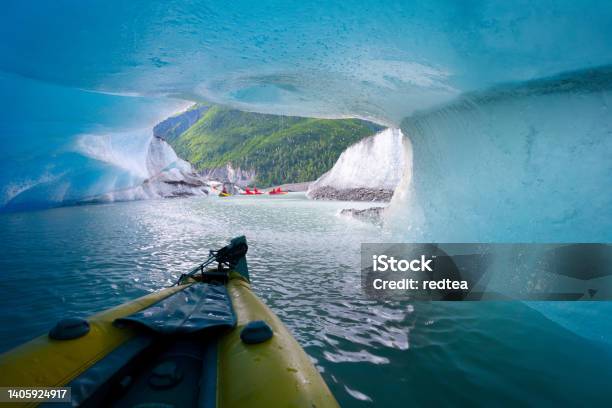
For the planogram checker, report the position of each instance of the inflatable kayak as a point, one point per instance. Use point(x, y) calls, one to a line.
point(276, 191)
point(248, 191)
point(207, 341)
point(222, 194)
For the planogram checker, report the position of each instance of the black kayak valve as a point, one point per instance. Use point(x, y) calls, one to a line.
point(255, 332)
point(70, 328)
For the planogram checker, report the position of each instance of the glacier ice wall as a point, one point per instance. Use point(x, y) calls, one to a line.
point(159, 173)
point(59, 145)
point(528, 162)
point(371, 58)
point(124, 150)
point(72, 68)
point(161, 157)
point(375, 162)
point(524, 162)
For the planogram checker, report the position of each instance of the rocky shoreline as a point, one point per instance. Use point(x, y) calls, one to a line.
point(351, 194)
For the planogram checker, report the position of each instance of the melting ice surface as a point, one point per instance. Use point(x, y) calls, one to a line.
point(505, 104)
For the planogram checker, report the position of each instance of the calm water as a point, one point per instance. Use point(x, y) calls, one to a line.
point(304, 264)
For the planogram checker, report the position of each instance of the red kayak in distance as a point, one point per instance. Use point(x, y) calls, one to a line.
point(276, 191)
point(248, 191)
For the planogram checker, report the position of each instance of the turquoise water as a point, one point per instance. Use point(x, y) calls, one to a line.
point(304, 264)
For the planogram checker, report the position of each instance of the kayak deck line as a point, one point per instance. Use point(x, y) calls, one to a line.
point(208, 341)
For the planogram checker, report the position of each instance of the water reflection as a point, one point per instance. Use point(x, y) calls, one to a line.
point(304, 262)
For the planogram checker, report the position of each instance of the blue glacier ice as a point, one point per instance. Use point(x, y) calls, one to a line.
point(377, 59)
point(60, 145)
point(528, 162)
point(505, 103)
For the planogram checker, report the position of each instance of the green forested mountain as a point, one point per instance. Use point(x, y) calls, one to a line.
point(281, 149)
